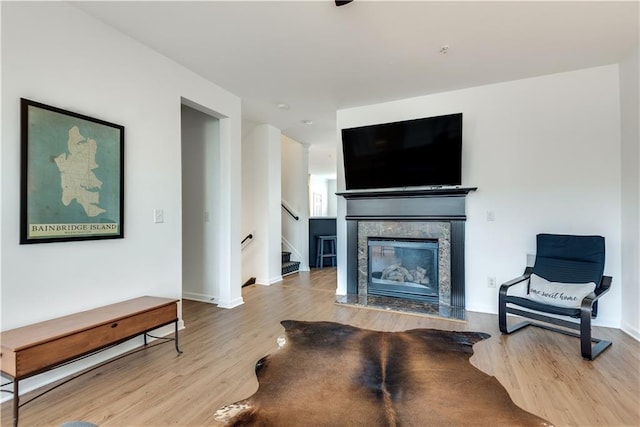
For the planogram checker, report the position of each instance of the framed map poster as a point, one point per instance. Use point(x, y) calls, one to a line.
point(72, 183)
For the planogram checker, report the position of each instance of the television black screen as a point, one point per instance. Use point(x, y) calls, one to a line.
point(412, 153)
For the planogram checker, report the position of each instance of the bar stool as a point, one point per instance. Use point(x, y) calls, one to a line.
point(320, 253)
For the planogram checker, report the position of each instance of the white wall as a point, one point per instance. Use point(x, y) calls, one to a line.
point(251, 252)
point(630, 283)
point(326, 187)
point(295, 194)
point(58, 55)
point(200, 195)
point(545, 155)
point(261, 201)
point(322, 159)
point(332, 199)
point(318, 185)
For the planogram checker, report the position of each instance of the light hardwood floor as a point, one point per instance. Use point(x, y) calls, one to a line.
point(542, 371)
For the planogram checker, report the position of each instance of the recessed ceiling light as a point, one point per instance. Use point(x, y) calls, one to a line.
point(282, 106)
point(307, 122)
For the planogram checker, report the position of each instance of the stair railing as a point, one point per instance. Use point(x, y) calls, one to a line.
point(289, 211)
point(251, 280)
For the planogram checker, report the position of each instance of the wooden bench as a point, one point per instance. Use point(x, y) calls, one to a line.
point(37, 348)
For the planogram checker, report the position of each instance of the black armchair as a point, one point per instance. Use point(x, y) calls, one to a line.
point(566, 281)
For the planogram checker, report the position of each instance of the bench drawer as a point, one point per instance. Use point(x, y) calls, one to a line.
point(65, 348)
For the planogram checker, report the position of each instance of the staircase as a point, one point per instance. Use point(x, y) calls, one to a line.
point(288, 266)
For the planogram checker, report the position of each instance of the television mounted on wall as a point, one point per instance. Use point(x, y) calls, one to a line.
point(412, 153)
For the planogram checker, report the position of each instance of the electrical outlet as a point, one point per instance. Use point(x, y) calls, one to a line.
point(491, 216)
point(491, 282)
point(158, 216)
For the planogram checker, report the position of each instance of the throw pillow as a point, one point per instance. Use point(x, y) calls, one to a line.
point(568, 295)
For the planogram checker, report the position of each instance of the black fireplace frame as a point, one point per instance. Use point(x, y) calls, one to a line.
point(432, 204)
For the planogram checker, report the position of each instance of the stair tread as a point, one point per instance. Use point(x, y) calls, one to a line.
point(288, 266)
point(288, 263)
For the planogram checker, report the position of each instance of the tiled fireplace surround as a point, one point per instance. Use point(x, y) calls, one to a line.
point(414, 214)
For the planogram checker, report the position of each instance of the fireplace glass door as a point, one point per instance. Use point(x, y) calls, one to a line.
point(403, 268)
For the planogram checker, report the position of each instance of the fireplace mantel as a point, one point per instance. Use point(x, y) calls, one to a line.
point(411, 192)
point(436, 206)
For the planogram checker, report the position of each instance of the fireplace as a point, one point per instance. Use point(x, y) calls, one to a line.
point(403, 268)
point(388, 230)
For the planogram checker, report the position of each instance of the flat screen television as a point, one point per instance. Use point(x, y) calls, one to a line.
point(412, 153)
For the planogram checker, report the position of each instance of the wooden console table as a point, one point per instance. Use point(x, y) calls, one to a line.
point(37, 348)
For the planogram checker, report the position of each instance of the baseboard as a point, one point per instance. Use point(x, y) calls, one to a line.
point(268, 282)
point(194, 296)
point(606, 322)
point(631, 330)
point(481, 308)
point(231, 303)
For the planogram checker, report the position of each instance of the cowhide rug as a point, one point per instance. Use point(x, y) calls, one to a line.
point(329, 374)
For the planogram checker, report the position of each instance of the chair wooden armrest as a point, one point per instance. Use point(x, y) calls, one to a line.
point(506, 285)
point(590, 301)
point(604, 286)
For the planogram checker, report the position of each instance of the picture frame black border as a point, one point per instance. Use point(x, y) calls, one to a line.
point(24, 163)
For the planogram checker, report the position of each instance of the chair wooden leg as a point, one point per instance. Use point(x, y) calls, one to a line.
point(502, 315)
point(585, 334)
point(509, 330)
point(502, 318)
point(590, 347)
point(502, 312)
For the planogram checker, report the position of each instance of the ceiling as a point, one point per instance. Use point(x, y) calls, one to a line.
point(318, 58)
